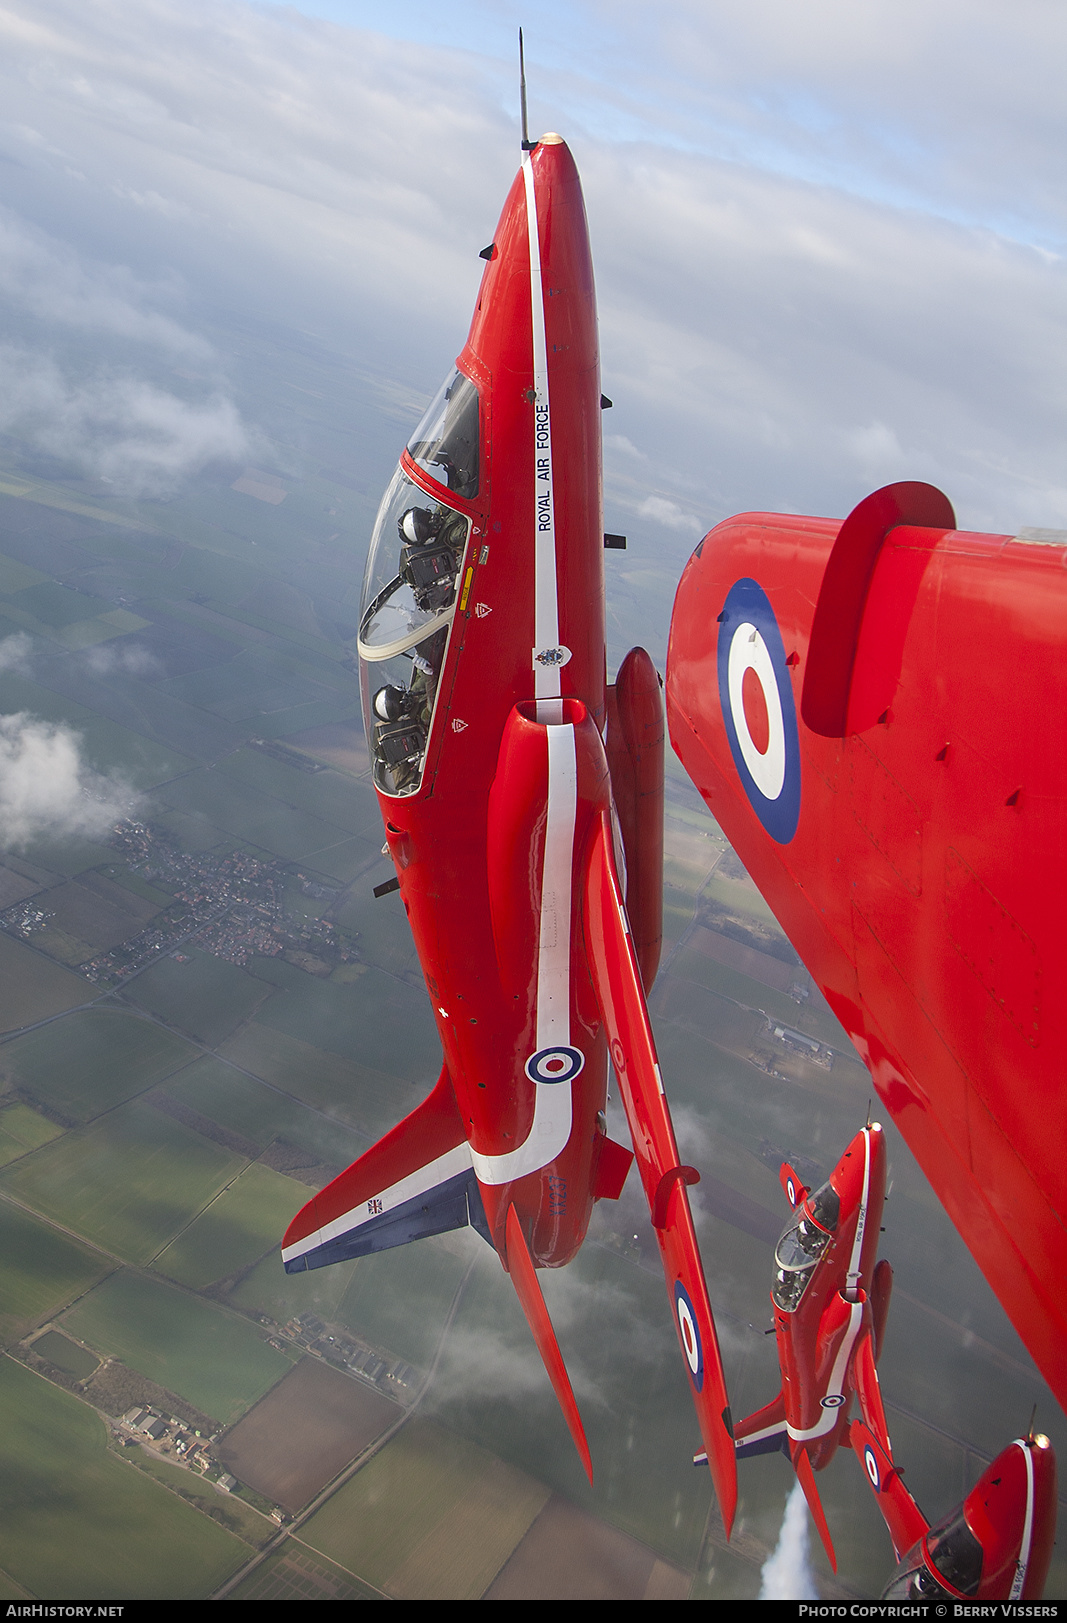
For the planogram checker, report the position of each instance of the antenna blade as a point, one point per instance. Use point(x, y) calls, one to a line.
point(526, 144)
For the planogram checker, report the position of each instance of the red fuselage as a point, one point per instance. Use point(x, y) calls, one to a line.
point(532, 583)
point(873, 713)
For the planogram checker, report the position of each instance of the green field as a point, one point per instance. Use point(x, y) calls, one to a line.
point(375, 1021)
point(377, 1303)
point(92, 1060)
point(33, 988)
point(128, 1182)
point(269, 1289)
point(325, 1081)
point(207, 997)
point(229, 1510)
point(76, 1521)
point(214, 1359)
point(430, 1517)
point(23, 1130)
point(345, 802)
point(247, 1219)
point(261, 1113)
point(40, 1270)
point(248, 814)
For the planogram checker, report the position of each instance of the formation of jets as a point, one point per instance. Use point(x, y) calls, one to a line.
point(818, 694)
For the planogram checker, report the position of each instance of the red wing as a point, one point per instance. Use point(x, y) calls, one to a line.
point(617, 980)
point(902, 1516)
point(806, 1478)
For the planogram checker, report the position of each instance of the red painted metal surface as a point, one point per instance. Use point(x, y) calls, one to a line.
point(922, 879)
point(497, 800)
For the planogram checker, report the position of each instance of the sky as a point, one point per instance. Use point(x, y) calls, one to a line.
point(828, 237)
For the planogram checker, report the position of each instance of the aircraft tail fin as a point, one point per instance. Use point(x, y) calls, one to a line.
point(806, 1477)
point(617, 982)
point(416, 1181)
point(763, 1432)
point(524, 1278)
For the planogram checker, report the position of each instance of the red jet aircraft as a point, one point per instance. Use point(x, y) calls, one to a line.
point(873, 712)
point(482, 651)
point(996, 1545)
point(830, 1301)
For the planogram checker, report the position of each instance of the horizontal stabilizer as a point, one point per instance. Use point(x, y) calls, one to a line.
point(806, 1477)
point(617, 982)
point(416, 1181)
point(764, 1432)
point(524, 1278)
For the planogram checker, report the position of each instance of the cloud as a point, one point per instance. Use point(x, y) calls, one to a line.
point(15, 652)
point(46, 787)
point(134, 659)
point(787, 1573)
point(118, 427)
point(663, 511)
point(55, 283)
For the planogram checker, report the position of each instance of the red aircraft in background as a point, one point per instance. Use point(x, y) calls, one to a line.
point(510, 818)
point(873, 711)
point(830, 1301)
point(996, 1545)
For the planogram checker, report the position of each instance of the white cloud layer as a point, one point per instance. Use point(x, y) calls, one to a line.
point(142, 439)
point(829, 247)
point(46, 786)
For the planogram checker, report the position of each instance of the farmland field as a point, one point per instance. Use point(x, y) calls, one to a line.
point(128, 1182)
point(93, 1060)
point(430, 1517)
point(247, 1219)
point(23, 1130)
point(261, 1113)
point(205, 996)
point(32, 987)
point(77, 1521)
point(40, 1270)
point(213, 1358)
point(304, 1432)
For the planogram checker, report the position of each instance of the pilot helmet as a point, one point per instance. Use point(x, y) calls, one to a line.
point(390, 702)
point(417, 526)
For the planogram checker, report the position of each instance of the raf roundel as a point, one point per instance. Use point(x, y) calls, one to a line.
point(871, 1466)
point(687, 1328)
point(554, 1064)
point(758, 710)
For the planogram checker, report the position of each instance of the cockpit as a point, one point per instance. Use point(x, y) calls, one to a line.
point(802, 1243)
point(410, 587)
point(950, 1552)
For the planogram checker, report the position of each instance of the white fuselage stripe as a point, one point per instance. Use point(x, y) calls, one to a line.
point(852, 1281)
point(551, 1125)
point(1023, 1562)
point(419, 1182)
point(546, 605)
point(836, 1384)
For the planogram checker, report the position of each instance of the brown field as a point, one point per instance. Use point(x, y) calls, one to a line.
point(570, 1555)
point(292, 1574)
point(303, 1432)
point(341, 743)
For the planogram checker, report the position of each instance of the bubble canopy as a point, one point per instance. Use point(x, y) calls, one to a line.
point(409, 588)
point(445, 444)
